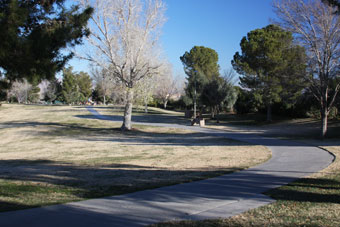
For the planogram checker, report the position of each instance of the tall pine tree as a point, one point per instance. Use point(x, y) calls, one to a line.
point(270, 64)
point(201, 66)
point(33, 35)
point(70, 89)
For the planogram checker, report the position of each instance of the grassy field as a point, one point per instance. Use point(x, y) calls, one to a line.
point(311, 201)
point(280, 127)
point(57, 154)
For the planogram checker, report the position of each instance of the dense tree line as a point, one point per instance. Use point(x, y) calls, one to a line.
point(81, 88)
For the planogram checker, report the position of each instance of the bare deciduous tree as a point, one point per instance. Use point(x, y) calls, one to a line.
point(103, 82)
point(20, 90)
point(124, 34)
point(168, 85)
point(144, 90)
point(317, 28)
point(230, 76)
point(230, 79)
point(52, 91)
point(43, 85)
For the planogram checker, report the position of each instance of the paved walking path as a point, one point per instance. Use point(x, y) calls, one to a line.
point(219, 197)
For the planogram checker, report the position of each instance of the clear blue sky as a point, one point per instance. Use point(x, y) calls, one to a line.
point(217, 24)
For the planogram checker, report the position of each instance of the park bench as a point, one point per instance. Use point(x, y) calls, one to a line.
point(198, 121)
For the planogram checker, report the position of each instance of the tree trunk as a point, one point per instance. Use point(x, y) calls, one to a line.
point(128, 111)
point(212, 112)
point(165, 104)
point(145, 107)
point(195, 112)
point(104, 100)
point(269, 112)
point(324, 118)
point(217, 115)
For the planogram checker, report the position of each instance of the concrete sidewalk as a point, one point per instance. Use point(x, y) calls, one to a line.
point(218, 197)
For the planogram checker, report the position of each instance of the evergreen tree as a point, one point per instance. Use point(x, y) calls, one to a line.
point(34, 35)
point(4, 86)
point(85, 85)
point(194, 87)
point(203, 60)
point(246, 101)
point(270, 65)
point(77, 87)
point(200, 65)
point(70, 89)
point(33, 94)
point(218, 94)
point(213, 95)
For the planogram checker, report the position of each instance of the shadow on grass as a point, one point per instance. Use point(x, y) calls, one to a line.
point(85, 182)
point(134, 137)
point(83, 132)
point(281, 128)
point(153, 117)
point(145, 118)
point(306, 128)
point(309, 190)
point(239, 119)
point(137, 136)
point(120, 109)
point(91, 182)
point(11, 206)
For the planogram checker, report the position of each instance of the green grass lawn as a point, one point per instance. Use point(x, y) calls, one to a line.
point(58, 154)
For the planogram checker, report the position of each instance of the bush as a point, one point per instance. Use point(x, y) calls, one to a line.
point(178, 104)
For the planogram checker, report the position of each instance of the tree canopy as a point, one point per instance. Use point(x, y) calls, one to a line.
point(124, 39)
point(268, 63)
point(76, 87)
point(335, 3)
point(203, 60)
point(34, 35)
point(315, 25)
point(200, 65)
point(217, 94)
point(84, 82)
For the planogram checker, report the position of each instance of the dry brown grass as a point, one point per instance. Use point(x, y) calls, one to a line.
point(62, 150)
point(312, 201)
point(332, 146)
point(301, 128)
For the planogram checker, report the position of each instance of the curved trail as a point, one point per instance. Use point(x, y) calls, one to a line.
point(219, 197)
